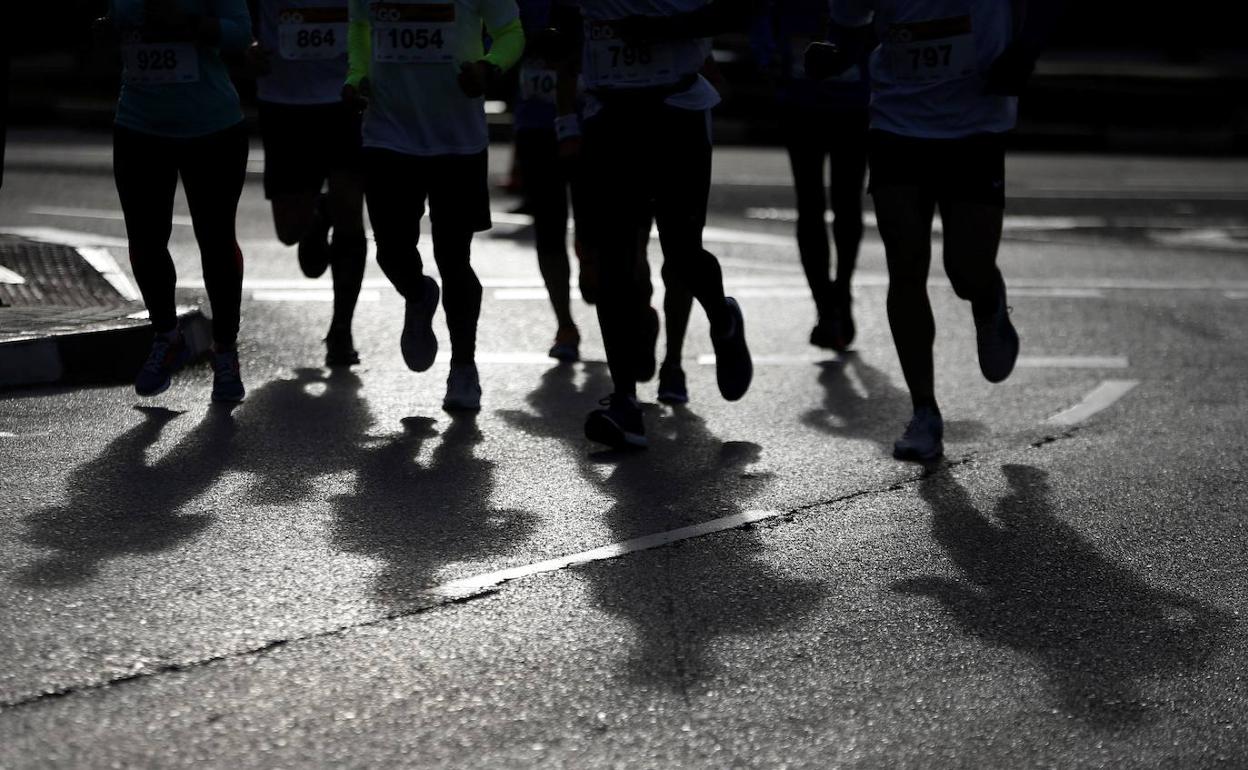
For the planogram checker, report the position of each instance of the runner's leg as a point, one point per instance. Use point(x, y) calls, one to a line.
point(905, 215)
point(213, 170)
point(395, 191)
point(348, 247)
point(807, 157)
point(848, 150)
point(458, 200)
point(145, 172)
point(537, 153)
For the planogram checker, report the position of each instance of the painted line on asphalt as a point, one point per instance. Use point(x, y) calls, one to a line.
point(1236, 295)
point(72, 238)
point(478, 583)
point(112, 215)
point(7, 434)
point(796, 291)
point(10, 278)
point(1024, 362)
point(1099, 399)
point(102, 260)
point(1010, 222)
point(309, 295)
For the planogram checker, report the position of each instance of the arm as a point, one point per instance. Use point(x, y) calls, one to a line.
point(508, 45)
point(1009, 74)
point(359, 54)
point(502, 22)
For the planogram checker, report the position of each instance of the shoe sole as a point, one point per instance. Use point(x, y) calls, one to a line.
point(156, 392)
point(673, 399)
point(228, 399)
point(460, 406)
point(918, 458)
point(604, 430)
point(566, 356)
point(996, 378)
point(733, 395)
point(409, 357)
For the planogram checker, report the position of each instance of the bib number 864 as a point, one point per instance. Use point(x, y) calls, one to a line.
point(315, 38)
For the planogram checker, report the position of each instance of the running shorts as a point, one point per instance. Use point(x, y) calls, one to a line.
point(970, 168)
point(304, 143)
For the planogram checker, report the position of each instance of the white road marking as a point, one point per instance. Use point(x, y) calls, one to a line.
point(71, 238)
point(102, 260)
point(1100, 398)
point(308, 295)
point(796, 291)
point(1236, 295)
point(478, 583)
point(1024, 362)
point(113, 215)
point(1011, 222)
point(1207, 237)
point(9, 277)
point(6, 434)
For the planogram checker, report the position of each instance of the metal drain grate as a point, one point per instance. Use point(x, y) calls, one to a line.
point(52, 275)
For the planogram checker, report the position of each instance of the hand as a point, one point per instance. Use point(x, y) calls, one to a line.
point(259, 59)
point(1009, 72)
point(825, 60)
point(570, 149)
point(474, 76)
point(356, 97)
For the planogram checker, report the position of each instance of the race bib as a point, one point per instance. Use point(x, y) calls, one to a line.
point(305, 34)
point(413, 33)
point(615, 63)
point(151, 63)
point(931, 51)
point(537, 82)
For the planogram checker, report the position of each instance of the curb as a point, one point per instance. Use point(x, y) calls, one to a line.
point(107, 354)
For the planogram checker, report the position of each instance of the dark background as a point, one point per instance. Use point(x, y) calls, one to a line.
point(1117, 76)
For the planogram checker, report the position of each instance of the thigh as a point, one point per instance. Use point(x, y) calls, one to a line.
point(847, 147)
point(213, 169)
point(904, 215)
point(612, 197)
point(682, 179)
point(395, 191)
point(807, 154)
point(458, 205)
point(146, 174)
point(298, 147)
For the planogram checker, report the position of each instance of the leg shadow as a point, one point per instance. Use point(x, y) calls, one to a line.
point(871, 409)
point(119, 504)
point(1032, 583)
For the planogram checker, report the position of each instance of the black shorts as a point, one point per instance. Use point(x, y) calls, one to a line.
point(305, 143)
point(970, 169)
point(455, 188)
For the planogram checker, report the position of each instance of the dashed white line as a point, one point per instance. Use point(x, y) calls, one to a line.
point(478, 583)
point(1024, 362)
point(308, 295)
point(1100, 398)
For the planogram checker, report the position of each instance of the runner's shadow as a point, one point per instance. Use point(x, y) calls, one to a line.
point(121, 505)
point(861, 402)
point(1032, 583)
point(417, 518)
point(294, 431)
point(679, 600)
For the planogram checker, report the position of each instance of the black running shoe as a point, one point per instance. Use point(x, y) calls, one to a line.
point(168, 355)
point(227, 383)
point(672, 387)
point(418, 343)
point(844, 310)
point(340, 349)
point(733, 367)
point(923, 439)
point(619, 425)
point(997, 341)
point(313, 247)
point(825, 334)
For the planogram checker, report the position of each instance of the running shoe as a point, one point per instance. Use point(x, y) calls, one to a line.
point(313, 247)
point(923, 439)
point(227, 383)
point(463, 389)
point(418, 343)
point(997, 341)
point(672, 387)
point(340, 348)
point(619, 425)
point(844, 310)
point(168, 354)
point(567, 347)
point(836, 330)
point(733, 367)
point(825, 334)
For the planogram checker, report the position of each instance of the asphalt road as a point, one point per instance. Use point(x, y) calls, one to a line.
point(336, 573)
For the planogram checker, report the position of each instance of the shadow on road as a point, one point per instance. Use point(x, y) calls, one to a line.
point(681, 599)
point(1033, 584)
point(119, 504)
point(879, 414)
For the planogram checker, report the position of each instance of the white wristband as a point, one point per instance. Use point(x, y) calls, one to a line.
point(567, 127)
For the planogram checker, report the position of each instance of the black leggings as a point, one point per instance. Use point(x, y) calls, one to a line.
point(456, 187)
point(640, 158)
point(812, 138)
point(546, 193)
point(146, 169)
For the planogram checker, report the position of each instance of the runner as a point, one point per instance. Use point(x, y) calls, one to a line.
point(179, 116)
point(943, 79)
point(822, 121)
point(546, 178)
point(312, 140)
point(421, 69)
point(646, 149)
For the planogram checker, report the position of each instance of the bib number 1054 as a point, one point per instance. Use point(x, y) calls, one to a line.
point(413, 33)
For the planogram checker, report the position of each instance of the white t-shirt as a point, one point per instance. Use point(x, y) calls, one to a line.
point(608, 63)
point(416, 106)
point(927, 75)
point(307, 40)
